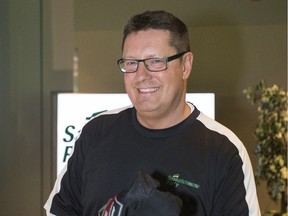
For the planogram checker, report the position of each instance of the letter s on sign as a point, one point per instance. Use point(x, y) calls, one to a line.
point(69, 133)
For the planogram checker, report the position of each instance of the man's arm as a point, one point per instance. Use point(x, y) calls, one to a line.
point(236, 191)
point(65, 196)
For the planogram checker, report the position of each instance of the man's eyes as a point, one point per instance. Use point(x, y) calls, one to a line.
point(131, 62)
point(156, 60)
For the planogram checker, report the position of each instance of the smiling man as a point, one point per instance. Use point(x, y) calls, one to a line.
point(195, 159)
point(157, 90)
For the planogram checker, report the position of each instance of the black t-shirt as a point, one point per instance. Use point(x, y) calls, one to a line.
point(199, 160)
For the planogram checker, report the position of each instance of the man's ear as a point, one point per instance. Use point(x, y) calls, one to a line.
point(187, 63)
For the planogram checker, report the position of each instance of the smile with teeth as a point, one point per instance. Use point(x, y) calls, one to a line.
point(147, 90)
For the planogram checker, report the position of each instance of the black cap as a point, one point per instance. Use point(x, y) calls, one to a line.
point(143, 199)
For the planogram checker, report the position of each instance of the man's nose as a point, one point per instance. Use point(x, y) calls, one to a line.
point(142, 71)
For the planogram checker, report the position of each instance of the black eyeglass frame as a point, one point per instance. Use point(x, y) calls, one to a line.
point(167, 59)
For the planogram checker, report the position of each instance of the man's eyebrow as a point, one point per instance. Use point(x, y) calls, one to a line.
point(147, 57)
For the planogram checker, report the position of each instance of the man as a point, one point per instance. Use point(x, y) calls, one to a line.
point(192, 156)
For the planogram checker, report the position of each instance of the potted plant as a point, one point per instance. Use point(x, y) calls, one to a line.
point(271, 136)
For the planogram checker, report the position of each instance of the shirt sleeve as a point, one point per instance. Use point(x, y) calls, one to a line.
point(235, 188)
point(65, 196)
point(55, 190)
point(249, 183)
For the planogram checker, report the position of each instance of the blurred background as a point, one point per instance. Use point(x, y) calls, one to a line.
point(235, 45)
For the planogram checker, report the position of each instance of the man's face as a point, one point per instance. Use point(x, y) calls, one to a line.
point(155, 94)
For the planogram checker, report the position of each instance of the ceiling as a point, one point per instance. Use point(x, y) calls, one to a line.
point(94, 15)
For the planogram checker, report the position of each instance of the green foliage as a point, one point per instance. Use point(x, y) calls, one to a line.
point(271, 135)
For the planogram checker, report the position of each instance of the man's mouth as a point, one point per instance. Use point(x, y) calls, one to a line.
point(147, 90)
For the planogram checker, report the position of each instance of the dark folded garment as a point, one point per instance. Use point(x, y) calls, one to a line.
point(143, 199)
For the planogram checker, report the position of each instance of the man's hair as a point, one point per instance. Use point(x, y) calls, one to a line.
point(159, 20)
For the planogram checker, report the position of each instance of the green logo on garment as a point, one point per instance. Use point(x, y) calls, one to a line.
point(95, 114)
point(175, 180)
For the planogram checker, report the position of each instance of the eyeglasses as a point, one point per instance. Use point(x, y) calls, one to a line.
point(152, 64)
